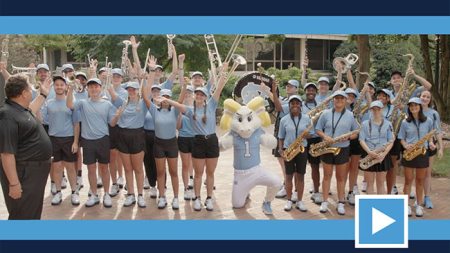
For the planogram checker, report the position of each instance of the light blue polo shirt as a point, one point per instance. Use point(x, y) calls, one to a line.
point(320, 98)
point(246, 151)
point(330, 120)
point(375, 135)
point(288, 130)
point(198, 127)
point(121, 93)
point(95, 117)
point(80, 95)
point(434, 116)
point(306, 108)
point(60, 118)
point(413, 131)
point(133, 115)
point(186, 128)
point(165, 121)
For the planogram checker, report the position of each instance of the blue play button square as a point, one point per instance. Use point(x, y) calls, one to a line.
point(381, 221)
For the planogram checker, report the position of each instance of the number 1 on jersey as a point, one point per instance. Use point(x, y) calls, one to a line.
point(247, 149)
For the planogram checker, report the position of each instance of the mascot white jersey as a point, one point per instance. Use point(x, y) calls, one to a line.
point(245, 136)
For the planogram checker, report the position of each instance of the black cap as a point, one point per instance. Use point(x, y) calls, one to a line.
point(396, 72)
point(60, 78)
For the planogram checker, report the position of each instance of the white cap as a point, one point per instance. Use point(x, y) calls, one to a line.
point(166, 92)
point(197, 73)
point(309, 85)
point(134, 85)
point(339, 93)
point(376, 103)
point(42, 66)
point(388, 93)
point(80, 74)
point(67, 66)
point(294, 83)
point(202, 90)
point(415, 100)
point(117, 71)
point(159, 67)
point(94, 80)
point(351, 91)
point(102, 69)
point(156, 86)
point(190, 88)
point(295, 97)
point(324, 79)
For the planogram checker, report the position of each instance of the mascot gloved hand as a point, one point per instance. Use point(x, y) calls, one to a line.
point(244, 125)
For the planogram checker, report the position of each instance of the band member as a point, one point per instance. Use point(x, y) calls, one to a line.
point(96, 115)
point(116, 165)
point(324, 89)
point(375, 134)
point(25, 150)
point(426, 98)
point(412, 129)
point(333, 123)
point(205, 153)
point(185, 144)
point(291, 127)
point(385, 96)
point(64, 130)
point(282, 108)
point(81, 79)
point(309, 104)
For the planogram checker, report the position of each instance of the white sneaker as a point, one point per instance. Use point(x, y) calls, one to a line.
point(351, 198)
point(419, 211)
point(281, 193)
point(394, 190)
point(92, 201)
point(141, 202)
point(175, 204)
point(64, 183)
point(341, 209)
point(294, 197)
point(99, 182)
point(409, 211)
point(324, 207)
point(412, 195)
point(197, 204)
point(311, 191)
point(146, 184)
point(114, 190)
point(57, 199)
point(267, 208)
point(209, 204)
point(153, 192)
point(356, 190)
point(53, 188)
point(288, 206)
point(187, 194)
point(120, 182)
point(107, 201)
point(75, 199)
point(317, 198)
point(301, 206)
point(162, 203)
point(191, 183)
point(129, 200)
point(79, 183)
point(364, 186)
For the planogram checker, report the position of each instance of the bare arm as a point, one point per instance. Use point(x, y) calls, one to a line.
point(276, 99)
point(222, 81)
point(134, 47)
point(179, 121)
point(174, 73)
point(69, 100)
point(351, 81)
point(150, 80)
point(76, 135)
point(181, 78)
point(9, 167)
point(37, 103)
point(424, 82)
point(5, 73)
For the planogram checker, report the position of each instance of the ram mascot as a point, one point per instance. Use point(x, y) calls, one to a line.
point(245, 135)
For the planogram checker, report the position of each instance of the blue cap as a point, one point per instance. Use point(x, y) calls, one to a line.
point(80, 74)
point(339, 93)
point(310, 85)
point(294, 83)
point(134, 85)
point(94, 80)
point(117, 71)
point(102, 69)
point(67, 66)
point(197, 73)
point(202, 90)
point(415, 100)
point(351, 91)
point(190, 88)
point(42, 66)
point(376, 103)
point(166, 92)
point(324, 79)
point(295, 97)
point(388, 93)
point(156, 86)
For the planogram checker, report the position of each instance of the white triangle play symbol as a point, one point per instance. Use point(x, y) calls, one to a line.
point(380, 220)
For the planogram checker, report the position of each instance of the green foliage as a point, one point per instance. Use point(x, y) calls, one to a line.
point(283, 76)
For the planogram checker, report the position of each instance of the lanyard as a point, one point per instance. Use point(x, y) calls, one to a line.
point(417, 127)
point(315, 104)
point(379, 130)
point(333, 126)
point(388, 111)
point(296, 124)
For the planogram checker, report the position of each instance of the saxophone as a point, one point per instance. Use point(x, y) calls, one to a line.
point(359, 109)
point(324, 147)
point(418, 148)
point(369, 161)
point(297, 146)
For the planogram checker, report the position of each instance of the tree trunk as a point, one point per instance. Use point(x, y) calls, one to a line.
point(362, 42)
point(445, 70)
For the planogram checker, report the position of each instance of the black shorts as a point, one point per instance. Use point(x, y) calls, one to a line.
point(205, 146)
point(341, 158)
point(165, 148)
point(149, 141)
point(432, 152)
point(185, 144)
point(131, 141)
point(384, 166)
point(420, 162)
point(96, 150)
point(355, 147)
point(113, 137)
point(275, 151)
point(62, 149)
point(396, 149)
point(312, 159)
point(298, 164)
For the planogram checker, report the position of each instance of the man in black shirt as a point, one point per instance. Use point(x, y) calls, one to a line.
point(25, 150)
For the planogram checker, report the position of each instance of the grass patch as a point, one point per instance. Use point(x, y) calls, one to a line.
point(441, 167)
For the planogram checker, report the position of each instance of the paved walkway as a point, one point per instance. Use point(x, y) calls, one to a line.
point(222, 195)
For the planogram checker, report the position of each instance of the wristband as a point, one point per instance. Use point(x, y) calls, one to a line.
point(42, 94)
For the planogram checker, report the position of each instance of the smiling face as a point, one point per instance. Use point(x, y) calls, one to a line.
point(339, 102)
point(59, 86)
point(295, 107)
point(245, 122)
point(396, 80)
point(155, 92)
point(42, 74)
point(376, 112)
point(200, 97)
point(383, 98)
point(94, 90)
point(351, 98)
point(197, 81)
point(132, 92)
point(291, 89)
point(117, 79)
point(425, 96)
point(323, 87)
point(414, 108)
point(311, 93)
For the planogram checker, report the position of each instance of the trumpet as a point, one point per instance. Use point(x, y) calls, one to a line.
point(5, 52)
point(347, 62)
point(29, 72)
point(108, 80)
point(170, 38)
point(237, 61)
point(124, 63)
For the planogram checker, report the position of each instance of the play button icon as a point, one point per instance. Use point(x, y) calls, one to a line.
point(380, 220)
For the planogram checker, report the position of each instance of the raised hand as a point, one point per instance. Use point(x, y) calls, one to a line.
point(181, 57)
point(45, 87)
point(152, 62)
point(134, 44)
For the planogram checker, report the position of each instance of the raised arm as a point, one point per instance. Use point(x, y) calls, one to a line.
point(424, 82)
point(180, 107)
point(134, 47)
point(150, 80)
point(5, 73)
point(222, 81)
point(351, 81)
point(174, 73)
point(276, 99)
point(37, 103)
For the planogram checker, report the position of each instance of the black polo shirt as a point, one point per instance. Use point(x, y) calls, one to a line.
point(22, 134)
